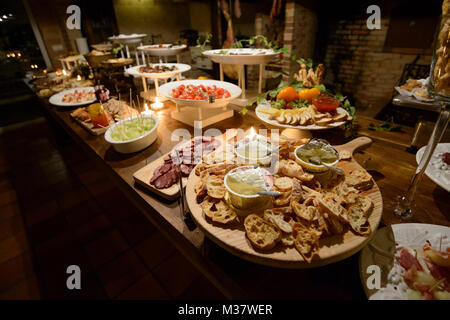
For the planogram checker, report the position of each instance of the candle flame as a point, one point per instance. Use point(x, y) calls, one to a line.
point(252, 134)
point(78, 77)
point(64, 72)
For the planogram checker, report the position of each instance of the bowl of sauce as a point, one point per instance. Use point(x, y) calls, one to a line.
point(255, 151)
point(318, 150)
point(243, 184)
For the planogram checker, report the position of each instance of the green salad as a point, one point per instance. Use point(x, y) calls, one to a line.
point(132, 129)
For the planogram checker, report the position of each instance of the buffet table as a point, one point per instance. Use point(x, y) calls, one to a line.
point(386, 159)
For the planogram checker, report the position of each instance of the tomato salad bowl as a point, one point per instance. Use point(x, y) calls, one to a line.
point(200, 93)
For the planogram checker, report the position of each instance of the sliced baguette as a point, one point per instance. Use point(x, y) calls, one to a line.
point(262, 234)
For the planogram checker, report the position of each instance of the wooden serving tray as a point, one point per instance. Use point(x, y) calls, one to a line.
point(143, 175)
point(90, 127)
point(332, 249)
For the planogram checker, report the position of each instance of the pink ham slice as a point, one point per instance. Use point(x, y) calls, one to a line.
point(407, 260)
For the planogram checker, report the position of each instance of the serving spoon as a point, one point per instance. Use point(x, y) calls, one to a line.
point(320, 163)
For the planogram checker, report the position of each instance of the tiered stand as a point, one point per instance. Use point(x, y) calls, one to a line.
point(242, 57)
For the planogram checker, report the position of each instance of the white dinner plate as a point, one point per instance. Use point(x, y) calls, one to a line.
point(181, 67)
point(380, 252)
point(166, 91)
point(56, 99)
point(434, 170)
point(266, 118)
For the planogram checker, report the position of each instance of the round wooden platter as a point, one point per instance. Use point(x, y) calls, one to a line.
point(332, 249)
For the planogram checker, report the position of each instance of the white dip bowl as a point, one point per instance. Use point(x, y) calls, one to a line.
point(133, 145)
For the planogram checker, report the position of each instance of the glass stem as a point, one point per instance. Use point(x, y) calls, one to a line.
point(436, 135)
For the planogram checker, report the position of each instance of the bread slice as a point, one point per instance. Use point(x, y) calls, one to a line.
point(278, 218)
point(305, 241)
point(358, 220)
point(359, 179)
point(224, 214)
point(262, 234)
point(366, 205)
point(334, 209)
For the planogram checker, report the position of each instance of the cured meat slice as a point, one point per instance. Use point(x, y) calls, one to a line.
point(407, 260)
point(159, 171)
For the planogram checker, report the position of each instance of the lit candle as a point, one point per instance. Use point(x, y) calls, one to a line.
point(252, 134)
point(147, 111)
point(78, 77)
point(64, 72)
point(157, 104)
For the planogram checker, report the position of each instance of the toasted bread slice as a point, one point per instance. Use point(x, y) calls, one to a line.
point(283, 199)
point(287, 239)
point(209, 206)
point(278, 218)
point(283, 184)
point(366, 205)
point(358, 220)
point(308, 213)
point(261, 233)
point(359, 179)
point(224, 214)
point(305, 241)
point(215, 187)
point(334, 209)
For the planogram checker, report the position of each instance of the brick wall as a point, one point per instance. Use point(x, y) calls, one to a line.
point(299, 36)
point(356, 64)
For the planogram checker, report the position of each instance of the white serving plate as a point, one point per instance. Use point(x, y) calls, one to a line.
point(155, 50)
point(128, 38)
point(380, 251)
point(181, 67)
point(166, 91)
point(439, 176)
point(56, 99)
point(133, 145)
point(242, 56)
point(266, 118)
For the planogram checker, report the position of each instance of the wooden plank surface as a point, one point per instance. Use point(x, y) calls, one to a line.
point(386, 159)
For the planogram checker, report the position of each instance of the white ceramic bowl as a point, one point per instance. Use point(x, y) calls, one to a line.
point(312, 167)
point(166, 91)
point(133, 145)
point(253, 161)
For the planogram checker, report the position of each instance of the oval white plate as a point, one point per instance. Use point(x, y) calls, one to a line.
point(166, 91)
point(266, 118)
point(56, 99)
point(134, 71)
point(439, 176)
point(381, 249)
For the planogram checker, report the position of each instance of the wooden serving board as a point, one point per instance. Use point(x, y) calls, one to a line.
point(143, 176)
point(90, 127)
point(332, 249)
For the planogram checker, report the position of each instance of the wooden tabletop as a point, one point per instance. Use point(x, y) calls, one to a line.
point(386, 159)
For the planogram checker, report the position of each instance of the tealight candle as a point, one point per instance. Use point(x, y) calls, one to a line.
point(147, 111)
point(157, 104)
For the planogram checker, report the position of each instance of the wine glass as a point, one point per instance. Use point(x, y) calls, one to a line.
point(439, 89)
